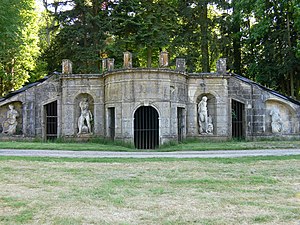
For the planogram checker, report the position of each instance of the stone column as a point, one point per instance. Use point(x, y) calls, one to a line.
point(127, 60)
point(110, 64)
point(180, 64)
point(104, 65)
point(66, 66)
point(221, 66)
point(163, 59)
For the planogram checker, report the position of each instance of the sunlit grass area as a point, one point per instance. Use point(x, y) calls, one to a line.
point(107, 145)
point(194, 144)
point(251, 190)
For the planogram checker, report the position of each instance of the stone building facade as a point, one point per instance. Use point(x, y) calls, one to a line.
point(148, 107)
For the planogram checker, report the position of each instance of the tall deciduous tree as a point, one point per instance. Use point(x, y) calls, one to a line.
point(82, 36)
point(273, 39)
point(260, 38)
point(145, 25)
point(197, 38)
point(18, 43)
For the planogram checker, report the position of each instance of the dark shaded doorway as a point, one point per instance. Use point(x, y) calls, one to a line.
point(51, 120)
point(180, 124)
point(146, 128)
point(111, 123)
point(238, 118)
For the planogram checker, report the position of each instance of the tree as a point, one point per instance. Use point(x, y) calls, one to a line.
point(273, 38)
point(144, 25)
point(82, 36)
point(198, 37)
point(18, 43)
point(260, 38)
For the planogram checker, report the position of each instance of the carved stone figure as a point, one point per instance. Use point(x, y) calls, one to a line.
point(210, 126)
point(10, 123)
point(276, 122)
point(204, 121)
point(84, 120)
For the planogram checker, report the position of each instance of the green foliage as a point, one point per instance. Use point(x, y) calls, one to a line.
point(260, 39)
point(18, 43)
point(272, 43)
point(144, 27)
point(193, 36)
point(82, 37)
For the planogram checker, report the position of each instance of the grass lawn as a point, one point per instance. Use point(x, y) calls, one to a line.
point(102, 145)
point(152, 191)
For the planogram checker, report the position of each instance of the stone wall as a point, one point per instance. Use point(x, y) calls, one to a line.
point(214, 87)
point(266, 113)
point(260, 105)
point(36, 99)
point(29, 103)
point(74, 89)
point(127, 90)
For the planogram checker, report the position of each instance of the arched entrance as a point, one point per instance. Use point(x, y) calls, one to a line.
point(51, 120)
point(146, 130)
point(238, 119)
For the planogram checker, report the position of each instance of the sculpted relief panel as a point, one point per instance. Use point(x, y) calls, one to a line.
point(9, 125)
point(11, 118)
point(280, 118)
point(276, 122)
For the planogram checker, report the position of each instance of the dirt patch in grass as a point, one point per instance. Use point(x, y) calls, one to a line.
point(170, 192)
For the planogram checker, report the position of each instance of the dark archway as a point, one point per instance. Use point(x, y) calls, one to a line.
point(238, 119)
point(51, 120)
point(146, 128)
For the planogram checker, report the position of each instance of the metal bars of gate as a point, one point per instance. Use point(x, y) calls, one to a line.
point(112, 123)
point(146, 128)
point(180, 123)
point(238, 109)
point(51, 120)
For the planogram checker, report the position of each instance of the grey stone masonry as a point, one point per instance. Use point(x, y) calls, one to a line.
point(170, 99)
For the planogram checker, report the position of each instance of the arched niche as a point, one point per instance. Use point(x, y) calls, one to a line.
point(211, 109)
point(83, 97)
point(146, 128)
point(17, 105)
point(285, 114)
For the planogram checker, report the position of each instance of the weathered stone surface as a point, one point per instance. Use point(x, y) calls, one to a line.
point(168, 92)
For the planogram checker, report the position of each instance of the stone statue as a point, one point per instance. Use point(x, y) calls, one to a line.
point(204, 121)
point(10, 123)
point(84, 120)
point(276, 122)
point(210, 126)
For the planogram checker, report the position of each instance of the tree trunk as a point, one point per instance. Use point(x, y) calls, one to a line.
point(236, 40)
point(1, 86)
point(149, 56)
point(290, 47)
point(204, 37)
point(297, 88)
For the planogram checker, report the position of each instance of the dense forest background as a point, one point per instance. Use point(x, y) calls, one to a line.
point(259, 38)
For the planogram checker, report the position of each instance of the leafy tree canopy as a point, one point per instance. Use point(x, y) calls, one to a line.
point(18, 43)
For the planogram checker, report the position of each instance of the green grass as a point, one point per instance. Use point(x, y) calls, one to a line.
point(75, 146)
point(192, 145)
point(22, 212)
point(255, 190)
point(138, 160)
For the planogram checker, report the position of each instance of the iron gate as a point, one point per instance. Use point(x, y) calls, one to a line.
point(146, 128)
point(111, 112)
point(180, 124)
point(237, 111)
point(51, 120)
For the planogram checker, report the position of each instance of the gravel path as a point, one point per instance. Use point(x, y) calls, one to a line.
point(179, 154)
